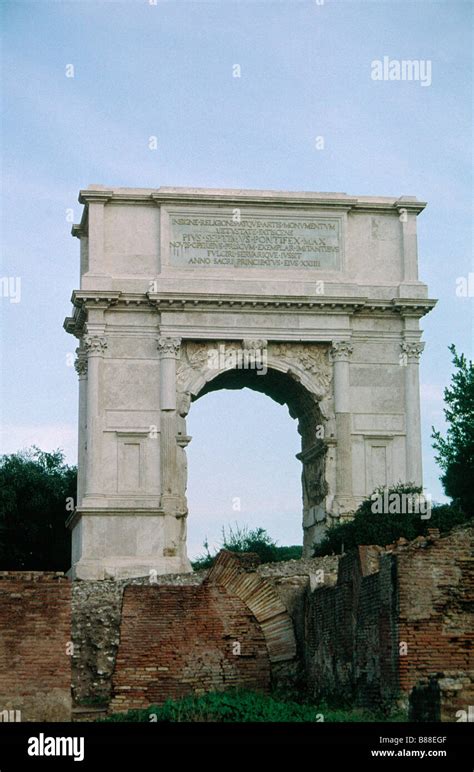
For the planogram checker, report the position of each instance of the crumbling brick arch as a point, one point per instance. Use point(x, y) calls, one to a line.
point(228, 632)
point(263, 601)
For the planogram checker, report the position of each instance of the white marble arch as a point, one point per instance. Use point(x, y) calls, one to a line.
point(325, 283)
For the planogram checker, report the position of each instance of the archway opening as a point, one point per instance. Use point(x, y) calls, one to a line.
point(242, 469)
point(247, 464)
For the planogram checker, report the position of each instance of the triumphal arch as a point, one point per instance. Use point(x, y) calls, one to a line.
point(311, 298)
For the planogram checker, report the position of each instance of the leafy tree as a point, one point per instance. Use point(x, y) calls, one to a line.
point(456, 450)
point(36, 491)
point(244, 540)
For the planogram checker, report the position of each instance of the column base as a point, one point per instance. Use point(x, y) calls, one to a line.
point(128, 568)
point(343, 507)
point(126, 544)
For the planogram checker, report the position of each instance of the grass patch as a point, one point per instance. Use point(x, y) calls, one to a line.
point(237, 706)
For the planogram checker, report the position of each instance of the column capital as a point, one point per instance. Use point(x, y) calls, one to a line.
point(341, 350)
point(95, 345)
point(80, 363)
point(168, 346)
point(411, 351)
point(252, 344)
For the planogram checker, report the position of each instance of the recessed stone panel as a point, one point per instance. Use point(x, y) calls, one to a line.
point(264, 240)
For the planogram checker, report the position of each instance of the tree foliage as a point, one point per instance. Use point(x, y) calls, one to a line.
point(35, 489)
point(241, 539)
point(383, 528)
point(455, 452)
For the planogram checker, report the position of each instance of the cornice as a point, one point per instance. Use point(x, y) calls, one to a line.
point(255, 200)
point(79, 230)
point(97, 297)
point(99, 195)
point(196, 300)
point(242, 198)
point(170, 301)
point(79, 512)
point(413, 306)
point(82, 301)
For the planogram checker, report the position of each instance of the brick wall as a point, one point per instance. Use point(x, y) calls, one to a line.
point(274, 593)
point(177, 636)
point(35, 627)
point(96, 616)
point(181, 640)
point(436, 620)
point(394, 630)
point(351, 641)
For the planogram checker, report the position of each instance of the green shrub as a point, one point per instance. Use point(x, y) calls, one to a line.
point(287, 553)
point(244, 540)
point(237, 706)
point(369, 527)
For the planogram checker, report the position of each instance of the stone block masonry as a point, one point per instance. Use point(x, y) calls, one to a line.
point(35, 630)
point(319, 290)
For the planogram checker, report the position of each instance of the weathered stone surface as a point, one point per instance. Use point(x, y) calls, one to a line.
point(446, 696)
point(310, 298)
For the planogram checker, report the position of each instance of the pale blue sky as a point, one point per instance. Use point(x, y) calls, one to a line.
point(166, 70)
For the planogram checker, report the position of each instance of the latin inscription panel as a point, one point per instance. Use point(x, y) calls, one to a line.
point(238, 240)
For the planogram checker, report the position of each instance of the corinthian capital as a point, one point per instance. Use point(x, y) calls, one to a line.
point(169, 346)
point(80, 363)
point(411, 351)
point(341, 351)
point(95, 344)
point(254, 344)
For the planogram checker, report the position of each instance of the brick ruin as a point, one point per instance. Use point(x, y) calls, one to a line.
point(378, 627)
point(35, 646)
point(436, 619)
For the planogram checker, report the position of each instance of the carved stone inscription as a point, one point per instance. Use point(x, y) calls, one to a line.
point(237, 240)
